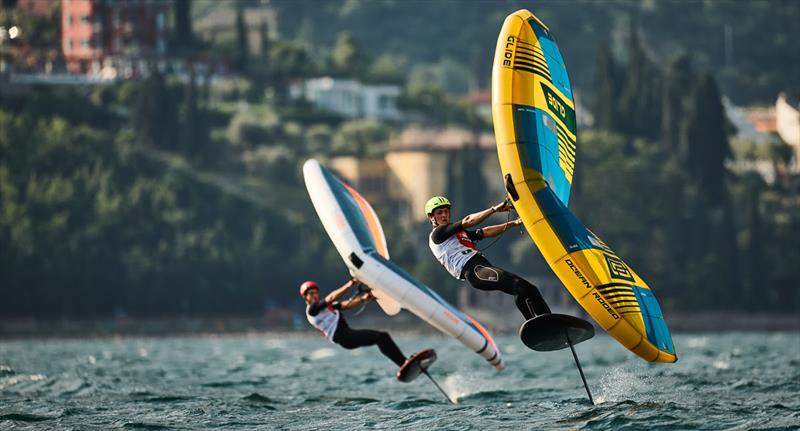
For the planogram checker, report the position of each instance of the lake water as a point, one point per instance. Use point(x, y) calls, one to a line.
point(296, 381)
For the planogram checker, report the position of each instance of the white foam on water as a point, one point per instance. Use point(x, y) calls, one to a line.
point(322, 353)
point(620, 384)
point(697, 342)
point(11, 381)
point(462, 384)
point(275, 342)
point(721, 364)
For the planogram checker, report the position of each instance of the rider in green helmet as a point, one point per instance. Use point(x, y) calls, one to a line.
point(435, 202)
point(453, 245)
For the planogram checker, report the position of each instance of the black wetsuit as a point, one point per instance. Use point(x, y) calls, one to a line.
point(481, 274)
point(350, 338)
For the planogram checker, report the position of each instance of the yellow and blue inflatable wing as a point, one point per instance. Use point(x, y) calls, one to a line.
point(536, 132)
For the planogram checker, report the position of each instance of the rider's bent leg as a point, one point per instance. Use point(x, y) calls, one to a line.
point(484, 276)
point(354, 338)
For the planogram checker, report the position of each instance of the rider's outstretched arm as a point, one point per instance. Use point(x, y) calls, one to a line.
point(492, 231)
point(478, 217)
point(358, 300)
point(336, 294)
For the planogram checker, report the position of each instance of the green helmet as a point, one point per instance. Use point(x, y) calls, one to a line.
point(435, 202)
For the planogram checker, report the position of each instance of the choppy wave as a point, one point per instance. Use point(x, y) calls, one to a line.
point(720, 382)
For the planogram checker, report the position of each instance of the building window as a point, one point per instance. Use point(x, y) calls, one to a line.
point(69, 19)
point(85, 19)
point(373, 184)
point(160, 21)
point(384, 102)
point(84, 43)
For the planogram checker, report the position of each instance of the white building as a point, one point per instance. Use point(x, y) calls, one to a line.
point(350, 98)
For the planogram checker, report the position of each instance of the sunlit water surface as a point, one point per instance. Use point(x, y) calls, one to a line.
point(721, 382)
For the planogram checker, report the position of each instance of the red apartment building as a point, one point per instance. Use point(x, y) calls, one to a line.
point(115, 37)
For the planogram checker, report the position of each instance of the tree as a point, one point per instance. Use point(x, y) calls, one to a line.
point(606, 91)
point(318, 139)
point(780, 154)
point(388, 68)
point(288, 61)
point(751, 234)
point(362, 138)
point(640, 95)
point(678, 80)
point(704, 143)
point(633, 207)
point(347, 58)
point(194, 130)
point(428, 101)
point(183, 24)
point(711, 251)
point(466, 184)
point(263, 33)
point(154, 115)
point(242, 49)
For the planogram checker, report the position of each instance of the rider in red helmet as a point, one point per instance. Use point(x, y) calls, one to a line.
point(324, 314)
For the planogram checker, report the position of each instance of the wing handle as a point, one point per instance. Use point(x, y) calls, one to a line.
point(512, 191)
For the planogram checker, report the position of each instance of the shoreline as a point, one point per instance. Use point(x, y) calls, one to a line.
point(286, 323)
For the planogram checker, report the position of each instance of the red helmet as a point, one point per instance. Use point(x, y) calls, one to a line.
point(306, 286)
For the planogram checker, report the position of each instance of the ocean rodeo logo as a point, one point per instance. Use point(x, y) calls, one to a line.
point(605, 305)
point(577, 273)
point(617, 268)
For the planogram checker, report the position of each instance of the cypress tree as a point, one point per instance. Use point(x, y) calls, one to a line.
point(263, 32)
point(712, 253)
point(192, 127)
point(466, 185)
point(704, 143)
point(752, 235)
point(640, 96)
point(155, 112)
point(183, 24)
point(241, 38)
point(677, 83)
point(606, 90)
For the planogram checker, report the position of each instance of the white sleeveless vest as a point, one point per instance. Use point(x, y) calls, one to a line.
point(326, 321)
point(454, 252)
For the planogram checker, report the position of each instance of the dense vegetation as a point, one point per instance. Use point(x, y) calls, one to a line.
point(748, 45)
point(169, 195)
